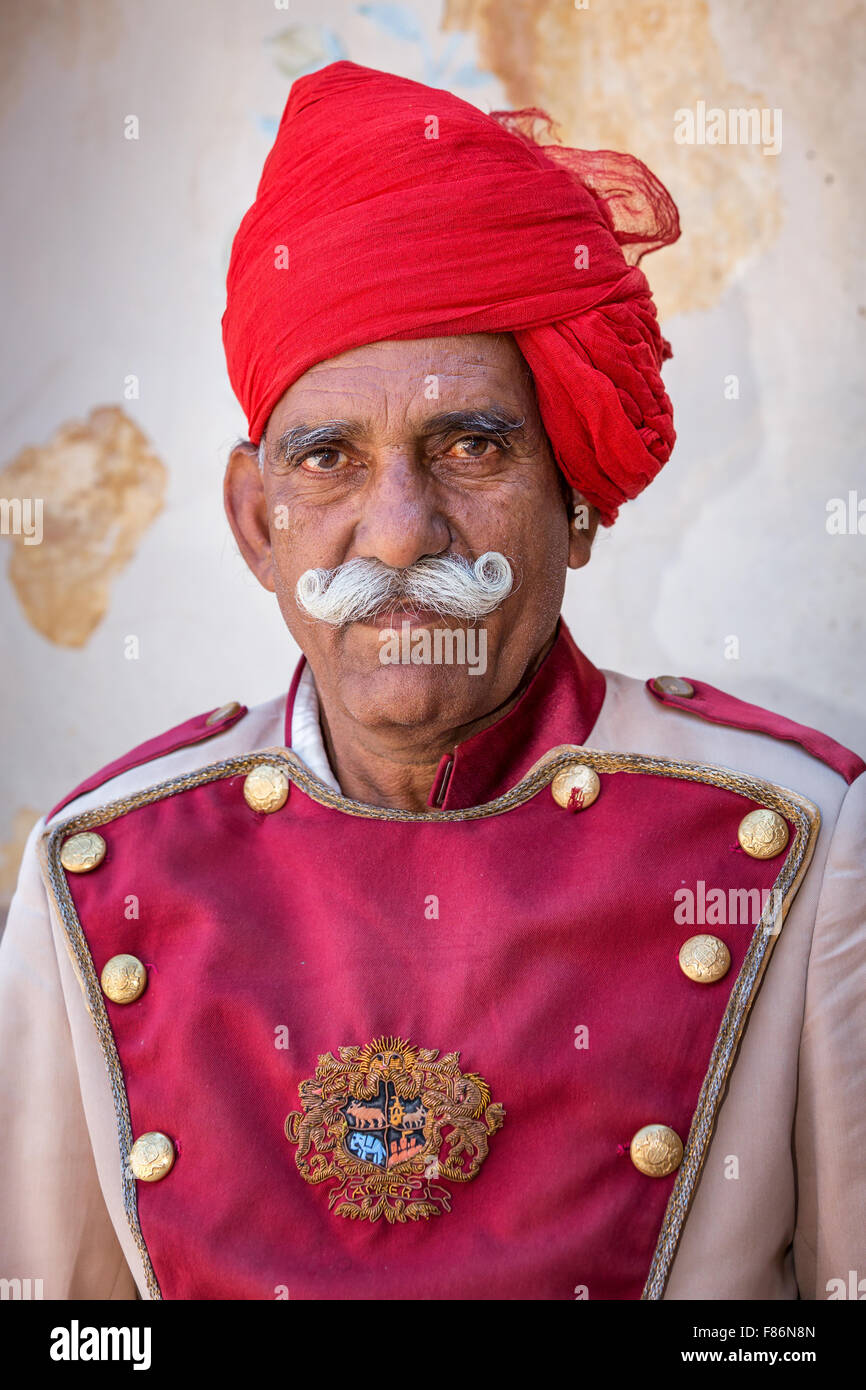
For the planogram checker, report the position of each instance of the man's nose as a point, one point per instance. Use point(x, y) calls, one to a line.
point(402, 519)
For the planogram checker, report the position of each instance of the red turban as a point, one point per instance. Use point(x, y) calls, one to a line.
point(387, 209)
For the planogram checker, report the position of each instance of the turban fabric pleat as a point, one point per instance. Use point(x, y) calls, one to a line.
point(391, 210)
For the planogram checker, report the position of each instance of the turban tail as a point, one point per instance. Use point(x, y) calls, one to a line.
point(387, 209)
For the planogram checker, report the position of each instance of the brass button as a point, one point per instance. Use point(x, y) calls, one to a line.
point(763, 833)
point(575, 787)
point(224, 712)
point(705, 959)
point(123, 979)
point(81, 853)
point(151, 1156)
point(266, 788)
point(656, 1150)
point(673, 685)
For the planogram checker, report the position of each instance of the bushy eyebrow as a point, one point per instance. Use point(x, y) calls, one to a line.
point(300, 439)
point(493, 421)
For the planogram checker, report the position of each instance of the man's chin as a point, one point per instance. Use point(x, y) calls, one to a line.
point(410, 695)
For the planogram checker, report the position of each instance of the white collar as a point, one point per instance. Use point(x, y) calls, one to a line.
point(307, 739)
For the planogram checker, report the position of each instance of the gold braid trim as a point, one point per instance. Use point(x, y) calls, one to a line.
point(802, 814)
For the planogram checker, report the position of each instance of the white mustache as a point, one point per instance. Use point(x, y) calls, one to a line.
point(449, 585)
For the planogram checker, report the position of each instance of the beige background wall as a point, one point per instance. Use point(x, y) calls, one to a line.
point(114, 260)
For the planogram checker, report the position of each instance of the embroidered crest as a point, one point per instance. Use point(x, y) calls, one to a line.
point(389, 1122)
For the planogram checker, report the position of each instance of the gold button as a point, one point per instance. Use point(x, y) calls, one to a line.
point(266, 788)
point(763, 833)
point(81, 853)
point(705, 959)
point(224, 712)
point(575, 787)
point(673, 685)
point(656, 1150)
point(123, 979)
point(151, 1156)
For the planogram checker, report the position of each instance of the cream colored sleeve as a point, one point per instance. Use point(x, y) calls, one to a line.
point(830, 1123)
point(54, 1225)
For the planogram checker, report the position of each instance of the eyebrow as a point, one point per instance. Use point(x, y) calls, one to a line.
point(496, 421)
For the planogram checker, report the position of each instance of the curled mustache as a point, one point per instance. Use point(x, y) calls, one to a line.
point(449, 585)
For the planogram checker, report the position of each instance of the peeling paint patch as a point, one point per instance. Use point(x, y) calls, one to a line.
point(101, 486)
point(612, 76)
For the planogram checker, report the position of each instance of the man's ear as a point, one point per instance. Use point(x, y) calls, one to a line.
point(583, 525)
point(247, 511)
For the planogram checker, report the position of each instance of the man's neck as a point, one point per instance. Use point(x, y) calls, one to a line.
point(393, 767)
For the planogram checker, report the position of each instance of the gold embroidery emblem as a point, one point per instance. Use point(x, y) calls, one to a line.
point(390, 1123)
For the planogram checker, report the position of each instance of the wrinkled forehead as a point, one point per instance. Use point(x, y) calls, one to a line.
point(410, 381)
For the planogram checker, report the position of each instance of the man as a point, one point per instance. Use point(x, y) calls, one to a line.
point(466, 970)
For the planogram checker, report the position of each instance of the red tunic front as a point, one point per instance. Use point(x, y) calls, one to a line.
point(539, 945)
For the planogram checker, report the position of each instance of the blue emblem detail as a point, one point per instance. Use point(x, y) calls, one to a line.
point(385, 1129)
point(368, 1146)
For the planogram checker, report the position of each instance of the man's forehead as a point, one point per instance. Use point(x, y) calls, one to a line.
point(419, 377)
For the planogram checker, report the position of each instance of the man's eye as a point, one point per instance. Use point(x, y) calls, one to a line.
point(472, 446)
point(323, 461)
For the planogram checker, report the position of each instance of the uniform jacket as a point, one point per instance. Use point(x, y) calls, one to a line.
point(414, 1056)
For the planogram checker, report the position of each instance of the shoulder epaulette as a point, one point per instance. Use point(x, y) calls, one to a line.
point(696, 697)
point(196, 730)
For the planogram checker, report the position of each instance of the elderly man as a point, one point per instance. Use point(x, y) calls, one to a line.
point(467, 970)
